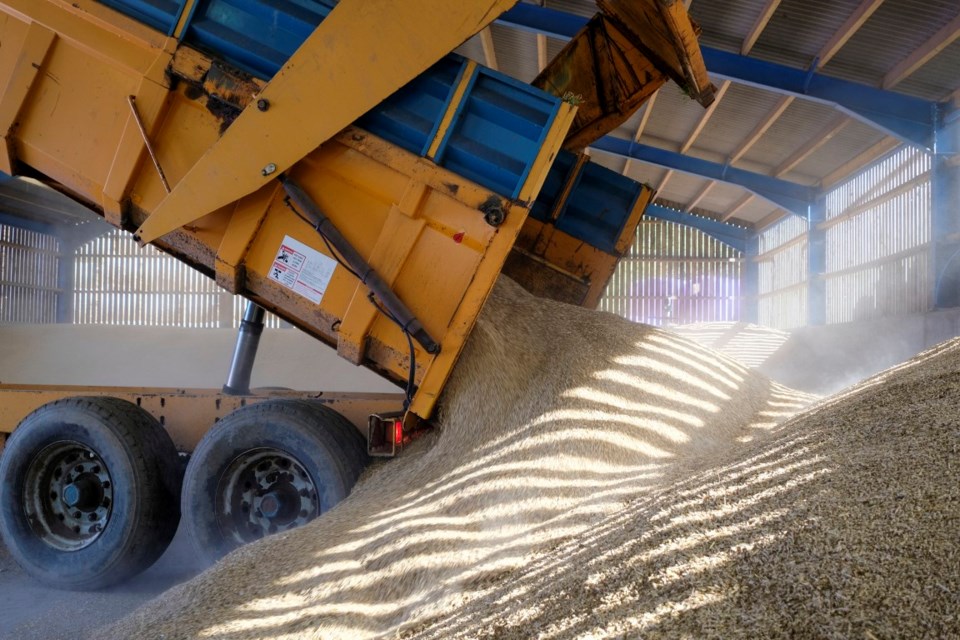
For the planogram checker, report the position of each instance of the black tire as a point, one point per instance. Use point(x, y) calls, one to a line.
point(296, 457)
point(120, 469)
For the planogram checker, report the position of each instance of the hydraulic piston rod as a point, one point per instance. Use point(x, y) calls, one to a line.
point(244, 354)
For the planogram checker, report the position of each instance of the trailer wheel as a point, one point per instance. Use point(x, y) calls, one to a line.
point(89, 490)
point(265, 468)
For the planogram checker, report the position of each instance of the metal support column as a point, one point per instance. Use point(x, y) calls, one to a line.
point(817, 264)
point(66, 268)
point(248, 339)
point(750, 281)
point(945, 206)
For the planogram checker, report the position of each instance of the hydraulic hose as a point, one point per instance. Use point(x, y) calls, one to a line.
point(354, 261)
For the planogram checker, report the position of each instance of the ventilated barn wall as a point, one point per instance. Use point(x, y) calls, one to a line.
point(28, 276)
point(118, 282)
point(142, 318)
point(782, 273)
point(878, 240)
point(675, 274)
point(877, 235)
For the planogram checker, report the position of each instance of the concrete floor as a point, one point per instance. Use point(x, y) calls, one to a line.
point(31, 611)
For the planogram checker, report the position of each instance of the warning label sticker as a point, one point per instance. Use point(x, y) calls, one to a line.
point(302, 269)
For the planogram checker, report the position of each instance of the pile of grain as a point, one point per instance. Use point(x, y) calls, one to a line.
point(556, 417)
point(842, 524)
point(749, 344)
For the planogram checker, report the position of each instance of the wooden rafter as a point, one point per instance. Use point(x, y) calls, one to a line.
point(920, 56)
point(759, 26)
point(761, 128)
point(701, 195)
point(664, 180)
point(705, 117)
point(856, 20)
point(698, 129)
point(771, 219)
point(860, 15)
point(737, 206)
point(647, 110)
point(541, 52)
point(489, 51)
point(855, 164)
point(823, 137)
point(953, 98)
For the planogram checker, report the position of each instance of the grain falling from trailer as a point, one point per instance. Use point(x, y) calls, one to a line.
point(555, 418)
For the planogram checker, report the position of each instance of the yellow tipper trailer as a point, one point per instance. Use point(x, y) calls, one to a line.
point(370, 193)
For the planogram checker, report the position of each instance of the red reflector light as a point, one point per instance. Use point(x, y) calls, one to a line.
point(397, 431)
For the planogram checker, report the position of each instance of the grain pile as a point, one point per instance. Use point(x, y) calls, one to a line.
point(749, 344)
point(556, 418)
point(842, 524)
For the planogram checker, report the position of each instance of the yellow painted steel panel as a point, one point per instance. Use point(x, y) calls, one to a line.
point(186, 414)
point(553, 264)
point(620, 59)
point(359, 55)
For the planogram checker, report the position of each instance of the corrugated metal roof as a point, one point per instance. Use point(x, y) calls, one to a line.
point(799, 29)
point(790, 132)
point(516, 51)
point(726, 24)
point(795, 35)
point(937, 79)
point(892, 33)
point(674, 115)
point(853, 140)
point(681, 187)
point(719, 197)
point(738, 114)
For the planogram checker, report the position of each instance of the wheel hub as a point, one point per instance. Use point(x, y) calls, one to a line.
point(264, 491)
point(85, 494)
point(68, 495)
point(278, 505)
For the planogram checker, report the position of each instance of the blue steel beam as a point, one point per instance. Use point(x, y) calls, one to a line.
point(793, 197)
point(905, 117)
point(736, 237)
point(817, 264)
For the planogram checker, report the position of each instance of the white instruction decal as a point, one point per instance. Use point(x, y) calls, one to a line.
point(302, 269)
